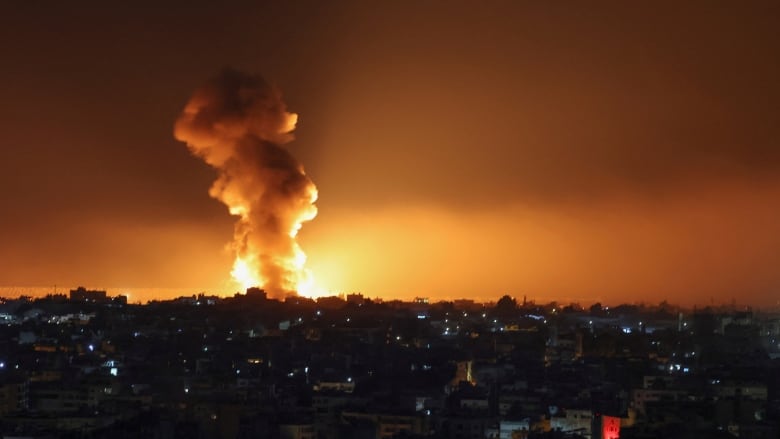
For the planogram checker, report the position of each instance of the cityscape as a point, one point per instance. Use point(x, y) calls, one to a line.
point(88, 365)
point(402, 219)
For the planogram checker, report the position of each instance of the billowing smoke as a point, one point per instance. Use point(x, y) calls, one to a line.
point(237, 123)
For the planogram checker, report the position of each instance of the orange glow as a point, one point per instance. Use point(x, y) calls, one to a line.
point(243, 275)
point(238, 124)
point(695, 249)
point(625, 154)
point(246, 267)
point(289, 123)
point(308, 287)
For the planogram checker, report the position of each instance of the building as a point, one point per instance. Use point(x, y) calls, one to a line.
point(14, 395)
point(606, 427)
point(82, 294)
point(297, 431)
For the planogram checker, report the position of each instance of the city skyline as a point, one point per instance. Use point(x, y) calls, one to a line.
point(615, 153)
point(87, 364)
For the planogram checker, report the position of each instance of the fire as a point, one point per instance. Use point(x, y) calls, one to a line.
point(239, 124)
point(243, 275)
point(309, 288)
point(247, 268)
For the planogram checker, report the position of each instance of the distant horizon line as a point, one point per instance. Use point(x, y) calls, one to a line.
point(143, 295)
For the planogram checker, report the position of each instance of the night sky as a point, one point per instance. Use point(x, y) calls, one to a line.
point(619, 152)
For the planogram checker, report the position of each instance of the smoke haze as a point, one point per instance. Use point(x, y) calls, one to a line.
point(237, 123)
point(620, 151)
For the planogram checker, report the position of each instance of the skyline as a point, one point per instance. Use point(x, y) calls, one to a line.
point(623, 153)
point(146, 296)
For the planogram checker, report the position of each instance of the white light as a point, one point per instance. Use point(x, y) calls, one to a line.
point(91, 348)
point(114, 371)
point(349, 380)
point(2, 365)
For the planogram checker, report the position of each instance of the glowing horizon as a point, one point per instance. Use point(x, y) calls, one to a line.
point(145, 295)
point(542, 153)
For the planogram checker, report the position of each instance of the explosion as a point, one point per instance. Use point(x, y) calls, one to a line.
point(237, 123)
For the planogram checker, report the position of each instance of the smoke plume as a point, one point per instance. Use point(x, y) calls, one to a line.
point(237, 123)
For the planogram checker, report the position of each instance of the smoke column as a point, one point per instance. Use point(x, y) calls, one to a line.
point(237, 123)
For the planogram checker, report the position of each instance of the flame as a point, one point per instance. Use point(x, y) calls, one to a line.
point(246, 277)
point(239, 124)
point(243, 275)
point(246, 270)
point(308, 286)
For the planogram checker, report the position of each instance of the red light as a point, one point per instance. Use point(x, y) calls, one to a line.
point(610, 427)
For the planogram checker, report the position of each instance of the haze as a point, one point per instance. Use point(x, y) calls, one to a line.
point(614, 152)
